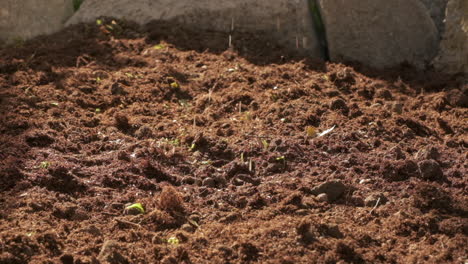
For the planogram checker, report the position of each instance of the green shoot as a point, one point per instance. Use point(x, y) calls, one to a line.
point(173, 241)
point(44, 165)
point(137, 207)
point(175, 85)
point(265, 144)
point(158, 47)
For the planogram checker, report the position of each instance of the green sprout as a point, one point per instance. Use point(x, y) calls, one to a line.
point(98, 22)
point(98, 80)
point(54, 103)
point(265, 144)
point(138, 207)
point(44, 165)
point(173, 241)
point(280, 158)
point(158, 47)
point(98, 110)
point(193, 146)
point(175, 85)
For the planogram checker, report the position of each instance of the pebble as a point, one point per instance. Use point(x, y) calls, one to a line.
point(323, 197)
point(333, 189)
point(188, 228)
point(430, 170)
point(209, 182)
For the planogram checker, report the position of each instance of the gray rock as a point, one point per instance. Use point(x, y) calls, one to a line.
point(333, 189)
point(289, 21)
point(379, 33)
point(453, 53)
point(20, 20)
point(436, 10)
point(430, 170)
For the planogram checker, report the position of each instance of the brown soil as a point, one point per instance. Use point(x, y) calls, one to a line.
point(219, 147)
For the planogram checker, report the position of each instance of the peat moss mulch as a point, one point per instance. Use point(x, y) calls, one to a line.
point(236, 155)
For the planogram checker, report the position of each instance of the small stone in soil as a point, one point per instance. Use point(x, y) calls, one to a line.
point(323, 197)
point(430, 170)
point(334, 189)
point(188, 228)
point(209, 182)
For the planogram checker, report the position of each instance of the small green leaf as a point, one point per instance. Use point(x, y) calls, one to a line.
point(54, 103)
point(98, 22)
point(136, 206)
point(158, 47)
point(173, 241)
point(280, 158)
point(175, 85)
point(44, 165)
point(98, 110)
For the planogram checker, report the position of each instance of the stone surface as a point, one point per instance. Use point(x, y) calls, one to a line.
point(379, 33)
point(287, 20)
point(25, 19)
point(333, 189)
point(453, 54)
point(436, 10)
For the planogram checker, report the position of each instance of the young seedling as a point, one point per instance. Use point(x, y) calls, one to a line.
point(311, 131)
point(158, 47)
point(175, 85)
point(134, 209)
point(173, 241)
point(265, 144)
point(44, 165)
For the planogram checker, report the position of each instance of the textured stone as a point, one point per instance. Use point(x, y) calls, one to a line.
point(288, 20)
point(436, 10)
point(379, 33)
point(25, 19)
point(333, 189)
point(453, 53)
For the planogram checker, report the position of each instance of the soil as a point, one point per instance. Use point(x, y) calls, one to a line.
point(223, 147)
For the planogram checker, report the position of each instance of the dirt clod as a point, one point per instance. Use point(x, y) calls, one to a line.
point(430, 170)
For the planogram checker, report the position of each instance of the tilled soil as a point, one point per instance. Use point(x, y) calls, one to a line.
point(225, 150)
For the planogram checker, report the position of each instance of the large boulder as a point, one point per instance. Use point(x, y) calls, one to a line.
point(436, 10)
point(453, 54)
point(379, 33)
point(288, 20)
point(25, 19)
